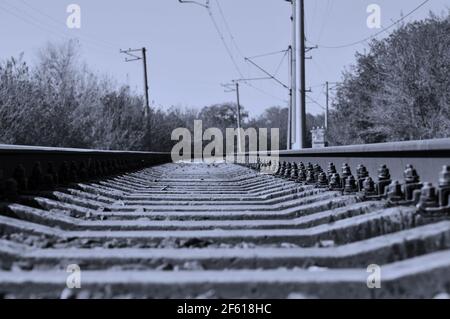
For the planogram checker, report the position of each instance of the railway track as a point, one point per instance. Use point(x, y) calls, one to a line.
point(198, 230)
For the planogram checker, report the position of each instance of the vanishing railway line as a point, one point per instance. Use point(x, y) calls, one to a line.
point(139, 226)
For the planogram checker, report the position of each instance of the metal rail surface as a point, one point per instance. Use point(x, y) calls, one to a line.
point(24, 168)
point(427, 156)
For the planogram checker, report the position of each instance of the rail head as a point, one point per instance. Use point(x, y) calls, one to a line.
point(430, 148)
point(16, 149)
point(426, 156)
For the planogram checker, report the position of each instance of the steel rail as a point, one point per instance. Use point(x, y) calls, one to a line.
point(24, 168)
point(427, 157)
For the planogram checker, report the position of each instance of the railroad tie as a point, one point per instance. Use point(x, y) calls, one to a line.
point(187, 230)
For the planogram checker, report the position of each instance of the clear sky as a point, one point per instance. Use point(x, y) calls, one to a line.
point(187, 60)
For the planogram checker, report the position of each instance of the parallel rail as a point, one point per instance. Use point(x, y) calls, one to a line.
point(427, 157)
point(413, 172)
point(25, 168)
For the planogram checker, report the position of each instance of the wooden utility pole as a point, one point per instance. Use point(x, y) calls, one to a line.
point(234, 87)
point(238, 116)
point(327, 94)
point(143, 57)
point(326, 106)
point(144, 60)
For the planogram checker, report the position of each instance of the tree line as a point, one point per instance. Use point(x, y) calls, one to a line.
point(60, 102)
point(399, 89)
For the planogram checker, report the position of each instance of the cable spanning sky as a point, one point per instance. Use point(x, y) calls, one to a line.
point(192, 51)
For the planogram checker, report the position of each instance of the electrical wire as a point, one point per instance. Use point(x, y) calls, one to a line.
point(328, 10)
point(228, 50)
point(221, 36)
point(325, 19)
point(220, 33)
point(315, 102)
point(268, 54)
point(317, 85)
point(318, 67)
point(313, 17)
point(227, 27)
point(377, 33)
point(238, 49)
point(280, 64)
point(266, 93)
point(29, 19)
point(31, 22)
point(92, 38)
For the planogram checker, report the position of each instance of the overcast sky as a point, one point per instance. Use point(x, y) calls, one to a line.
point(187, 59)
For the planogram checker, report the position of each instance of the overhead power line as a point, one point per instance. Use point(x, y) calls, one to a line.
point(205, 5)
point(238, 49)
point(267, 73)
point(325, 18)
point(228, 50)
point(254, 79)
point(315, 102)
point(29, 19)
point(266, 93)
point(377, 33)
point(268, 54)
point(281, 63)
point(227, 27)
point(82, 34)
point(221, 36)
